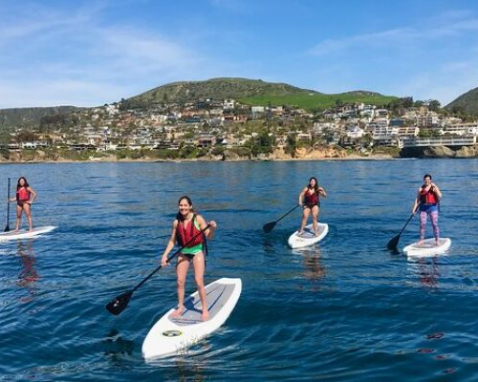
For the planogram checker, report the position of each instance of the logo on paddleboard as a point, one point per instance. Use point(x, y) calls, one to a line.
point(172, 333)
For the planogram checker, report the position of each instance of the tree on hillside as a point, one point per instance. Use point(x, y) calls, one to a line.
point(434, 105)
point(291, 145)
point(26, 136)
point(398, 105)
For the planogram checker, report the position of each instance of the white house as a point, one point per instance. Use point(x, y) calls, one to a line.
point(354, 132)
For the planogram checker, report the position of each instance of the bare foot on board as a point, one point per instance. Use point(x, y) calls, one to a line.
point(205, 316)
point(177, 313)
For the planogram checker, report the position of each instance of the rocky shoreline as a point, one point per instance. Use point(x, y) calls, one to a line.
point(279, 154)
point(440, 152)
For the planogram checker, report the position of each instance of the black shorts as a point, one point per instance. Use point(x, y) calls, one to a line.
point(311, 205)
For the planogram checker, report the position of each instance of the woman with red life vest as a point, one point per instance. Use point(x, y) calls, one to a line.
point(428, 197)
point(186, 231)
point(309, 198)
point(25, 196)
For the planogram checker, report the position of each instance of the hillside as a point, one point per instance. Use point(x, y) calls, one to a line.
point(247, 91)
point(320, 101)
point(466, 103)
point(252, 92)
point(30, 116)
point(218, 89)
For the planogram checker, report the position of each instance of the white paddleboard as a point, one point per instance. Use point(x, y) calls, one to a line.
point(24, 233)
point(307, 237)
point(171, 335)
point(428, 247)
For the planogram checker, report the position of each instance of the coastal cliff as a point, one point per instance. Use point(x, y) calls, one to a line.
point(440, 152)
point(25, 156)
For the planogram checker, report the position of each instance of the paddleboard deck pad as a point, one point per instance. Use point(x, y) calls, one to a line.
point(25, 234)
point(307, 237)
point(428, 247)
point(170, 334)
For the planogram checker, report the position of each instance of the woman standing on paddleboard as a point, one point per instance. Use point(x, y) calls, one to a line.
point(25, 196)
point(186, 232)
point(428, 197)
point(309, 198)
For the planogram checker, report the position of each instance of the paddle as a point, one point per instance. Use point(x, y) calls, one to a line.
point(270, 226)
point(392, 244)
point(7, 227)
point(119, 304)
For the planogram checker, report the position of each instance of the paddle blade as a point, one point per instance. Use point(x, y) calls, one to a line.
point(392, 244)
point(269, 227)
point(119, 304)
point(7, 228)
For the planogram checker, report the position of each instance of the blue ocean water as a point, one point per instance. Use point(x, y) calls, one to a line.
point(345, 310)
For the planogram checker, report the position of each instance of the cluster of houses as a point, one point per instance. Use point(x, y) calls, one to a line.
point(416, 126)
point(227, 123)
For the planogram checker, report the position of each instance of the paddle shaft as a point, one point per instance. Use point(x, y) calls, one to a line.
point(408, 221)
point(277, 221)
point(7, 228)
point(171, 257)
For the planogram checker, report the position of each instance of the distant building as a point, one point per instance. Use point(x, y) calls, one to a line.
point(354, 132)
point(228, 104)
point(206, 140)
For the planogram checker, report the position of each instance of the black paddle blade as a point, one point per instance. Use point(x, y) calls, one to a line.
point(392, 244)
point(119, 304)
point(7, 228)
point(269, 227)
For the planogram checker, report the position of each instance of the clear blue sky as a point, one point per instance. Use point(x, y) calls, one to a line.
point(88, 53)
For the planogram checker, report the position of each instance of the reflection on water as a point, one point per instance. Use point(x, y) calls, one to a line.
point(187, 371)
point(116, 346)
point(28, 275)
point(427, 270)
point(314, 269)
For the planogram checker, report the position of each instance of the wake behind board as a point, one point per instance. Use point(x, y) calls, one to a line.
point(307, 237)
point(428, 247)
point(170, 335)
point(25, 234)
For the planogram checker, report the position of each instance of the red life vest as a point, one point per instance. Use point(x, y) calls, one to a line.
point(23, 195)
point(311, 199)
point(428, 196)
point(184, 235)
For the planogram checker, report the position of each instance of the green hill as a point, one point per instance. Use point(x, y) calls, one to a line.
point(252, 92)
point(216, 88)
point(30, 116)
point(320, 101)
point(466, 103)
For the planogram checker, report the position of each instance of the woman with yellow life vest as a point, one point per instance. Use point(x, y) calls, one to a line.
point(186, 232)
point(309, 198)
point(25, 196)
point(428, 197)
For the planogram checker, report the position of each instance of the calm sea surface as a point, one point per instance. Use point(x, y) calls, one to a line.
point(346, 310)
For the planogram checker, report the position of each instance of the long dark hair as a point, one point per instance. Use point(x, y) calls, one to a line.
point(316, 187)
point(26, 185)
point(179, 216)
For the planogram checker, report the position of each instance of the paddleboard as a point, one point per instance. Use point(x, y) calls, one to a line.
point(171, 335)
point(428, 247)
point(307, 237)
point(24, 233)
